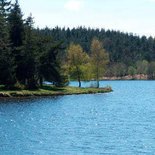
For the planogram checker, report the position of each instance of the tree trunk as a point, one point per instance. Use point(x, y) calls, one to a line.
point(78, 76)
point(79, 84)
point(31, 83)
point(98, 83)
point(41, 81)
point(97, 78)
point(79, 80)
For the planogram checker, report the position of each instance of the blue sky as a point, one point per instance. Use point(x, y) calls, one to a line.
point(136, 16)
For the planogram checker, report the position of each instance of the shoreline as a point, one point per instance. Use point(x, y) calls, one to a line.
point(52, 91)
point(128, 77)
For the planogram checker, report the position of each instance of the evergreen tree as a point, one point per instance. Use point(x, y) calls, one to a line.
point(50, 68)
point(5, 7)
point(29, 62)
point(7, 76)
point(16, 33)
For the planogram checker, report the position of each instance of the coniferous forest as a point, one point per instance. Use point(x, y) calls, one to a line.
point(29, 56)
point(26, 56)
point(129, 54)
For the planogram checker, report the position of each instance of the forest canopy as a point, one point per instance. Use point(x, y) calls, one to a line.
point(29, 56)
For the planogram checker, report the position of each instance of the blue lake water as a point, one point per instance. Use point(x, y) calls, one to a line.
point(117, 123)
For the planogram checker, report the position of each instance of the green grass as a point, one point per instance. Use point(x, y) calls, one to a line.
point(48, 90)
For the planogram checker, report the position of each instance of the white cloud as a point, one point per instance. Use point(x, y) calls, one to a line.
point(74, 5)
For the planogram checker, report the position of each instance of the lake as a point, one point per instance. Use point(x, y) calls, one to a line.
point(117, 123)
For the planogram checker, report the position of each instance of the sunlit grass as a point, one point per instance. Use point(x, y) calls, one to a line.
point(48, 90)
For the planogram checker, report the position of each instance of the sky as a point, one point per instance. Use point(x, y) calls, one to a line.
point(132, 16)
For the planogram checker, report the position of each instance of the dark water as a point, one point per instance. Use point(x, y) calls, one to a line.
point(117, 123)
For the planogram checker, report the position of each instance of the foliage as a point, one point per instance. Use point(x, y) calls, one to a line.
point(16, 37)
point(27, 57)
point(7, 68)
point(142, 67)
point(123, 48)
point(131, 70)
point(151, 70)
point(99, 59)
point(77, 61)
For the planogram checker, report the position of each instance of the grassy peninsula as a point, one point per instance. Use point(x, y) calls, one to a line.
point(47, 90)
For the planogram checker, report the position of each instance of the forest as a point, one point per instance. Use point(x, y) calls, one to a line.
point(29, 56)
point(129, 54)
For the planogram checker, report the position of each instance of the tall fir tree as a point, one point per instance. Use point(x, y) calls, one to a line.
point(17, 36)
point(29, 55)
point(7, 74)
point(49, 67)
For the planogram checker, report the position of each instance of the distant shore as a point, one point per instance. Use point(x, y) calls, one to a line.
point(128, 77)
point(52, 91)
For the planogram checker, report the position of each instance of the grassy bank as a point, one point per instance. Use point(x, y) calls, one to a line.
point(52, 91)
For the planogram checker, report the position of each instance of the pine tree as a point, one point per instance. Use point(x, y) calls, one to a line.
point(17, 36)
point(49, 65)
point(29, 55)
point(7, 76)
point(5, 7)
